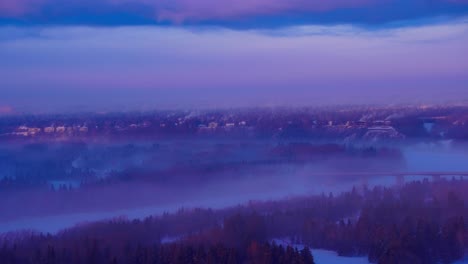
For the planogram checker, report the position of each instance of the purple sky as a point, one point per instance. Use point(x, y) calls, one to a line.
point(207, 53)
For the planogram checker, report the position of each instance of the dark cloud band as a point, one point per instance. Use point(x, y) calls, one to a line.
point(232, 13)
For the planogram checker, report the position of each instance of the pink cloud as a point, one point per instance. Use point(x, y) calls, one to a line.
point(197, 10)
point(5, 109)
point(12, 7)
point(17, 8)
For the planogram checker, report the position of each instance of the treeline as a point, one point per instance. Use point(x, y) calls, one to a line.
point(49, 251)
point(77, 164)
point(422, 222)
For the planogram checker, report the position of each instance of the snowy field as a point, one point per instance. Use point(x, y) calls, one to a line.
point(322, 256)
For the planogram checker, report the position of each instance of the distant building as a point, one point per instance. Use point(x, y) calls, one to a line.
point(383, 122)
point(213, 125)
point(381, 128)
point(60, 129)
point(21, 131)
point(25, 134)
point(382, 132)
point(49, 130)
point(22, 128)
point(34, 130)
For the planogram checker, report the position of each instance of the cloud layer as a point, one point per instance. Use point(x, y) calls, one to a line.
point(253, 52)
point(233, 13)
point(176, 67)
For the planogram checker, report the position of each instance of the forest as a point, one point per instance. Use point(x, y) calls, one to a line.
point(421, 222)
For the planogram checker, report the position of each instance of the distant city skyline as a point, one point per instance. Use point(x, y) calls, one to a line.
point(113, 55)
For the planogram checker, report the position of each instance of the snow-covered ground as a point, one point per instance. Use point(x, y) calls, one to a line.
point(322, 256)
point(330, 257)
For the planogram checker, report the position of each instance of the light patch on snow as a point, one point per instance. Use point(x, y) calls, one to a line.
point(322, 256)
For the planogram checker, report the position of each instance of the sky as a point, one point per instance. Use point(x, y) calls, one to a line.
point(119, 55)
